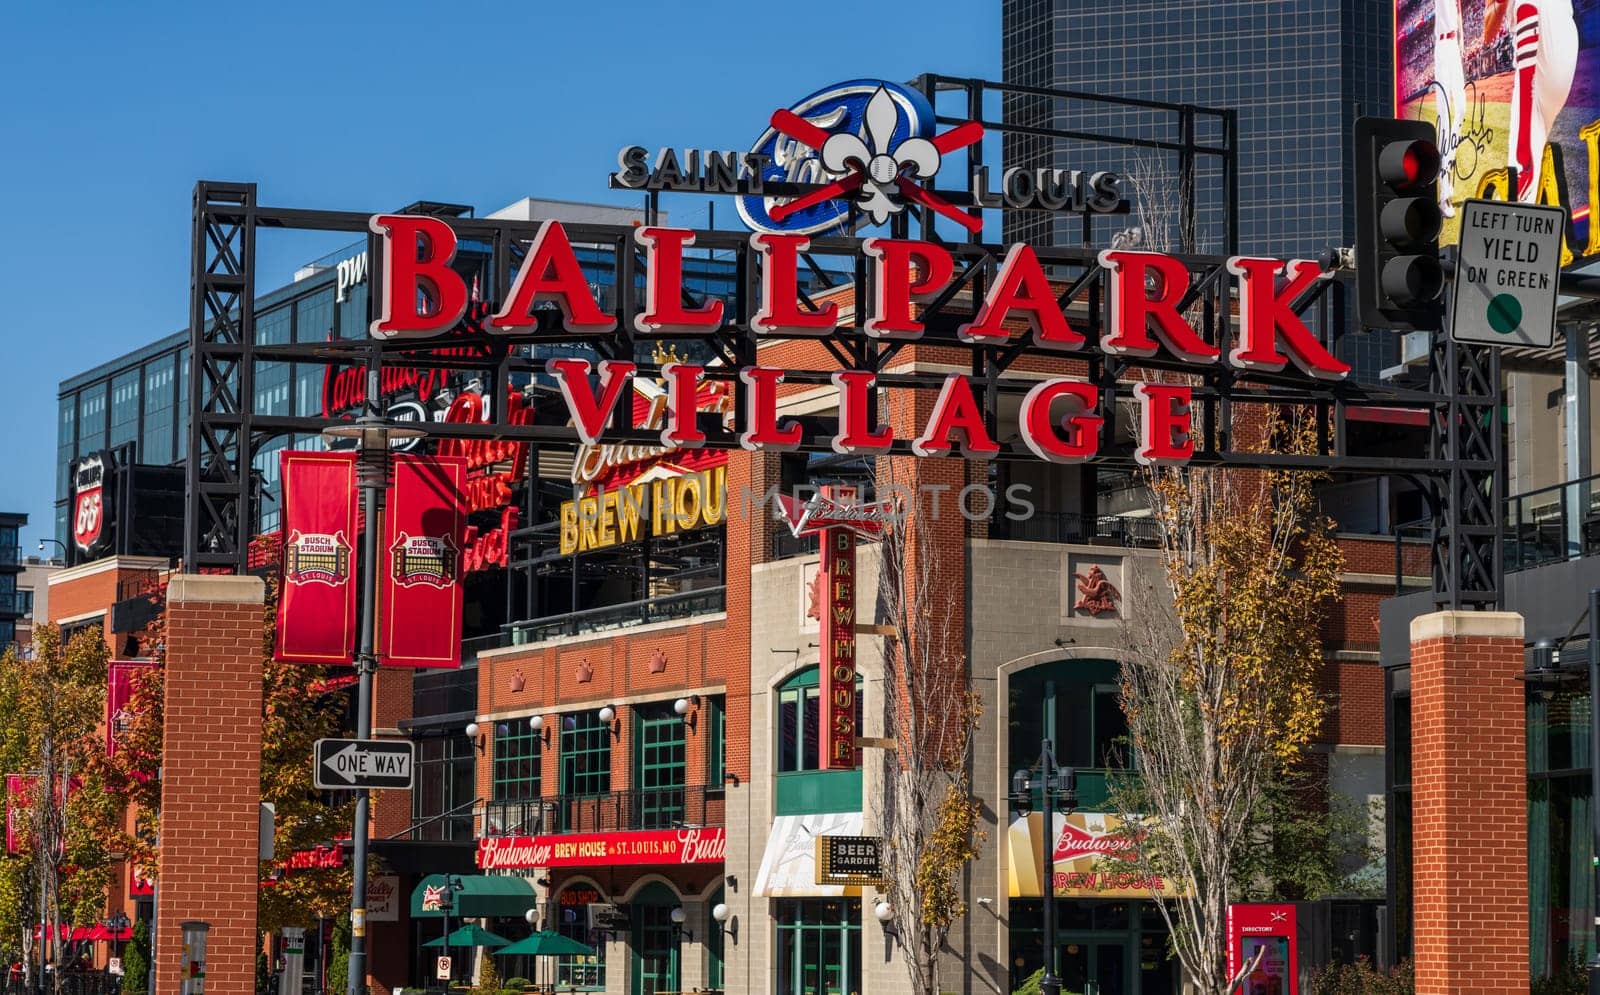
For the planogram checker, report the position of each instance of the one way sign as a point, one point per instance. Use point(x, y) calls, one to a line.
point(364, 763)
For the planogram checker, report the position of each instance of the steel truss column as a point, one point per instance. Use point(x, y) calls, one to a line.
point(217, 507)
point(1466, 432)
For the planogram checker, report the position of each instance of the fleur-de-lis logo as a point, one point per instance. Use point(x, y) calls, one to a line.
point(880, 164)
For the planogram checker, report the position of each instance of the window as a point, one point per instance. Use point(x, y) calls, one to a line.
point(125, 408)
point(66, 441)
point(159, 407)
point(572, 921)
point(800, 721)
point(655, 940)
point(517, 754)
point(1074, 704)
point(819, 947)
point(445, 786)
point(585, 755)
point(1560, 819)
point(659, 766)
point(716, 742)
point(92, 419)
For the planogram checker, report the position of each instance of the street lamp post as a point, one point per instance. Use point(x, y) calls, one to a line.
point(1054, 783)
point(373, 436)
point(117, 924)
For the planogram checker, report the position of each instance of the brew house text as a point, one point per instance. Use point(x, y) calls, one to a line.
point(1056, 419)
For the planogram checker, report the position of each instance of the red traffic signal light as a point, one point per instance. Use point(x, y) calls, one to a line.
point(1408, 165)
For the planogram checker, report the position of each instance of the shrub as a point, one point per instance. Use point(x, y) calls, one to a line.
point(1361, 978)
point(136, 961)
point(1571, 978)
point(518, 983)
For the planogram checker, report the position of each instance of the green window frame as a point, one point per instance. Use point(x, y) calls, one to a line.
point(587, 972)
point(655, 940)
point(518, 759)
point(585, 755)
point(819, 947)
point(799, 721)
point(716, 742)
point(660, 759)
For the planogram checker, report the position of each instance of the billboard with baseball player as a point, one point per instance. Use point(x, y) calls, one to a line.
point(1514, 89)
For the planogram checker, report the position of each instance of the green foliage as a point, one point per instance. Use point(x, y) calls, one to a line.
point(1033, 985)
point(339, 957)
point(1361, 978)
point(1303, 838)
point(136, 961)
point(1570, 978)
point(517, 982)
point(488, 979)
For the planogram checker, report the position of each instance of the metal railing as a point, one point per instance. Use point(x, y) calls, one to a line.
point(455, 824)
point(71, 983)
point(18, 603)
point(663, 609)
point(1072, 527)
point(1552, 524)
point(687, 807)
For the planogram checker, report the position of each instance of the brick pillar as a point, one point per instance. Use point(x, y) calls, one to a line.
point(211, 778)
point(1469, 804)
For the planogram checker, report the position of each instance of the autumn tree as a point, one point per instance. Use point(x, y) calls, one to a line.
point(1219, 683)
point(53, 698)
point(926, 811)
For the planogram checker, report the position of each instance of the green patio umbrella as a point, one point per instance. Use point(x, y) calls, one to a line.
point(469, 936)
point(546, 944)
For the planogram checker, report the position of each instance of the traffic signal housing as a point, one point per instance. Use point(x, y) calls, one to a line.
point(1399, 278)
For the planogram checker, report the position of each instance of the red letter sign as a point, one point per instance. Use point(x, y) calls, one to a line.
point(1166, 430)
point(1022, 286)
point(551, 273)
point(1039, 431)
point(1134, 312)
point(855, 435)
point(590, 414)
point(762, 430)
point(1265, 318)
point(903, 272)
point(683, 392)
point(422, 295)
point(664, 312)
point(780, 312)
point(955, 410)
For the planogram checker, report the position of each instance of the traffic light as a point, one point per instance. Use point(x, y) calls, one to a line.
point(1399, 279)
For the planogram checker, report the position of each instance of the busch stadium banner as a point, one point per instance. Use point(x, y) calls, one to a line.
point(420, 588)
point(317, 606)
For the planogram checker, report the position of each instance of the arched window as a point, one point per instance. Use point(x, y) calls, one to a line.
point(1074, 704)
point(799, 722)
point(654, 946)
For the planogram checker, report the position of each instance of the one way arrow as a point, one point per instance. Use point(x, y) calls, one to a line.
point(332, 763)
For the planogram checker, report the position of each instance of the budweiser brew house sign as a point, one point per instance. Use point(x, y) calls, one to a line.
point(1147, 304)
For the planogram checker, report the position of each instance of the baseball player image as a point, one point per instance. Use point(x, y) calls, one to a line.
point(1544, 41)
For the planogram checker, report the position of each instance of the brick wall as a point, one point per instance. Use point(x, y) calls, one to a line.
point(211, 777)
point(1469, 803)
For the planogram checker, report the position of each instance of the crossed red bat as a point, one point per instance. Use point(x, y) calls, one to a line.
point(801, 130)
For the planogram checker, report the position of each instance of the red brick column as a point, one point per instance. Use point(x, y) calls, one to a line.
point(1469, 803)
point(211, 778)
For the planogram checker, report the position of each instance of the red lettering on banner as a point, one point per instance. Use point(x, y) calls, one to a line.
point(664, 312)
point(904, 272)
point(482, 550)
point(551, 273)
point(680, 846)
point(1040, 432)
point(422, 295)
point(839, 640)
point(1266, 320)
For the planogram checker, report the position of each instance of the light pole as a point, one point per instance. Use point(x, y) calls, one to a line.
point(1594, 770)
point(373, 436)
point(58, 542)
point(1055, 783)
point(117, 924)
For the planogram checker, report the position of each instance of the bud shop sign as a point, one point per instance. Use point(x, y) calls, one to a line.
point(672, 846)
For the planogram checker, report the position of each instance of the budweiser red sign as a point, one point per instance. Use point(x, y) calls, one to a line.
point(668, 846)
point(1077, 841)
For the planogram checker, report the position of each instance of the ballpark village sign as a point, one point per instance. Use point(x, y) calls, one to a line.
point(1068, 354)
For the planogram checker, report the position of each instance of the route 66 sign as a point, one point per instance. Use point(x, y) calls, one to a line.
point(89, 503)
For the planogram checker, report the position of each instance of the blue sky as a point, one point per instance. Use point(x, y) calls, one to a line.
point(113, 111)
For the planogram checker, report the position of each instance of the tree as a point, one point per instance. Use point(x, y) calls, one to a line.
point(1219, 684)
point(926, 810)
point(53, 699)
point(136, 961)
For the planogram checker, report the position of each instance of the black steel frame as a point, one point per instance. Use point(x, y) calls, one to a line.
point(225, 433)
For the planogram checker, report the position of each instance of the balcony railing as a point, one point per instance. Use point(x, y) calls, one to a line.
point(620, 811)
point(10, 556)
point(1552, 524)
point(705, 601)
point(16, 603)
point(1071, 527)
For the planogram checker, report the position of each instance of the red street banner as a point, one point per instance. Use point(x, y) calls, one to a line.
point(317, 606)
point(666, 846)
point(421, 586)
point(120, 676)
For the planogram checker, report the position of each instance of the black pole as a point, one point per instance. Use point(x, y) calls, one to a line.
point(1594, 776)
point(1050, 984)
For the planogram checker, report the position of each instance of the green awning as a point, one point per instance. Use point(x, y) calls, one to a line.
point(476, 896)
